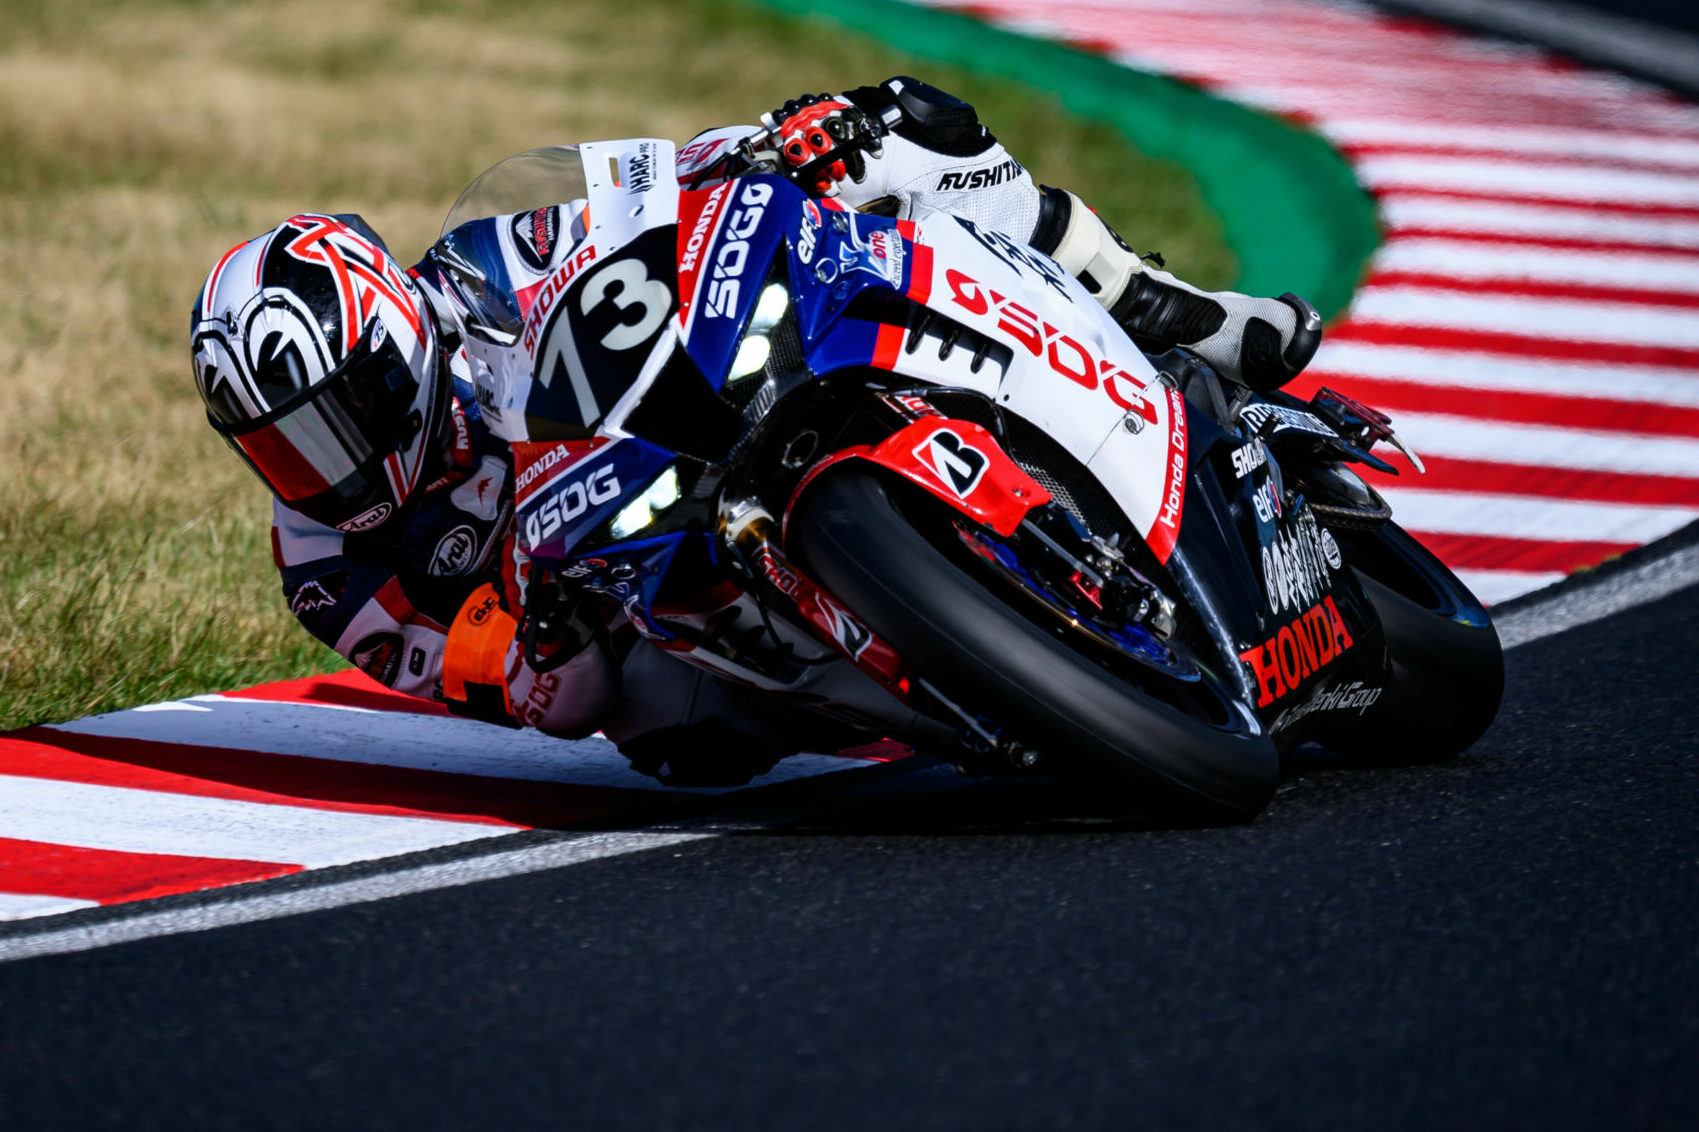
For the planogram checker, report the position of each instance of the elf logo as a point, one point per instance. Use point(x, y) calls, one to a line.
point(957, 464)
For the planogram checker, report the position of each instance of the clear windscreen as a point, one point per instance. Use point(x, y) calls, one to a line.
point(552, 174)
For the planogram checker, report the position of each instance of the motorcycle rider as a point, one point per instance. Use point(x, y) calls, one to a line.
point(340, 379)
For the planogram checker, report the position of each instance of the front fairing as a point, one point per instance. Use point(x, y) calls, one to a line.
point(1272, 584)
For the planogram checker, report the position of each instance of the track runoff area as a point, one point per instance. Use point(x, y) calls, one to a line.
point(1531, 322)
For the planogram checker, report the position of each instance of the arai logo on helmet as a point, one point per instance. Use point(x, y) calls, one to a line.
point(366, 520)
point(453, 554)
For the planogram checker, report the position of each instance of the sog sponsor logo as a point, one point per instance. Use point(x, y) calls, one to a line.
point(640, 171)
point(1067, 356)
point(1315, 640)
point(1249, 458)
point(956, 463)
point(535, 235)
point(733, 256)
point(534, 711)
point(379, 656)
point(981, 178)
point(366, 520)
point(1355, 696)
point(1295, 565)
point(454, 553)
point(696, 153)
point(573, 499)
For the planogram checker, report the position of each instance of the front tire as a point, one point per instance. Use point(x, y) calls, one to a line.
point(969, 642)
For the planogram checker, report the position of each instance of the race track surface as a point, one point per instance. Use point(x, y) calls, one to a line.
point(1504, 941)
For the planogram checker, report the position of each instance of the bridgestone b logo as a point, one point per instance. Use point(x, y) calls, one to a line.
point(981, 178)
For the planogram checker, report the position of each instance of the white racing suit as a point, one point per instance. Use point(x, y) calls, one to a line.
point(431, 609)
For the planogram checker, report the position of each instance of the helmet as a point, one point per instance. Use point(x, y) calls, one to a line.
point(319, 363)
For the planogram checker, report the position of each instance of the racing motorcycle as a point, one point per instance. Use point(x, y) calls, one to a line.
point(909, 477)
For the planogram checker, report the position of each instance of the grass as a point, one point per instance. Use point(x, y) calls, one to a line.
point(139, 140)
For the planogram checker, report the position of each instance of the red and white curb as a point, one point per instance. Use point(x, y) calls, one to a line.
point(219, 790)
point(1532, 319)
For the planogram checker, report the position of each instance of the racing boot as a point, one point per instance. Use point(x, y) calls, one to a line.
point(1262, 343)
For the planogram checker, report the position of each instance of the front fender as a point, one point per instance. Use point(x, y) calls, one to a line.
point(956, 461)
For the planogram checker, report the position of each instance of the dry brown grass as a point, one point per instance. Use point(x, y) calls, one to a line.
point(139, 140)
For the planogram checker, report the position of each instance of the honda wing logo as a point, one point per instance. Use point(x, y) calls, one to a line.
point(957, 464)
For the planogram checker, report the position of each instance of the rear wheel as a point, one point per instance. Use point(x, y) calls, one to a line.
point(976, 647)
point(1447, 668)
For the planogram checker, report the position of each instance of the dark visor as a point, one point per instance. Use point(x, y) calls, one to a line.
point(323, 451)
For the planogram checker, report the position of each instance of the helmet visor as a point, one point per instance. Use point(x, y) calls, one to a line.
point(334, 452)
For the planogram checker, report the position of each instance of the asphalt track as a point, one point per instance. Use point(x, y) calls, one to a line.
point(1504, 940)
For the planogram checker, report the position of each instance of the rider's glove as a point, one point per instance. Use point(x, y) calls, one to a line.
point(812, 126)
point(936, 155)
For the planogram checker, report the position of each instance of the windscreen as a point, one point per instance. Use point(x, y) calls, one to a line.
point(551, 175)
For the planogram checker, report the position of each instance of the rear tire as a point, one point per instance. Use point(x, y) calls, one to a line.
point(1447, 667)
point(968, 641)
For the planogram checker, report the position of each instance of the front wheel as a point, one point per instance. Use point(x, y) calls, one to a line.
point(983, 653)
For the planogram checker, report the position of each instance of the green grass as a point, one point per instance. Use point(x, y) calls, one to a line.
point(139, 140)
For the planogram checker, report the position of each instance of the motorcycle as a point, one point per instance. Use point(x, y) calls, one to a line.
point(909, 477)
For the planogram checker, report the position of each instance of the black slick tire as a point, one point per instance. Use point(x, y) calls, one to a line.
point(992, 660)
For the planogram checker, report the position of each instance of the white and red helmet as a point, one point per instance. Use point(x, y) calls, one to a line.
point(319, 363)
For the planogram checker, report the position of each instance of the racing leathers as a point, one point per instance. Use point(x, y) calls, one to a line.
point(432, 604)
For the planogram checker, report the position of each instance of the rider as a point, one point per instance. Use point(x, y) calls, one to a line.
point(339, 377)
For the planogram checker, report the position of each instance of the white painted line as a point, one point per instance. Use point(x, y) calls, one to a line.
point(405, 739)
point(23, 906)
point(1494, 586)
point(1531, 517)
point(1467, 370)
point(270, 903)
point(151, 821)
point(1512, 263)
point(1564, 320)
point(1530, 178)
point(1546, 446)
point(1614, 593)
